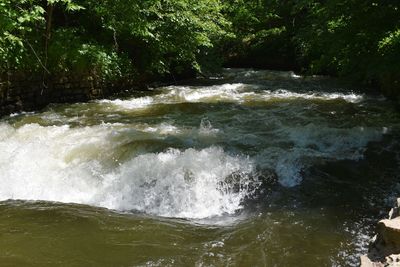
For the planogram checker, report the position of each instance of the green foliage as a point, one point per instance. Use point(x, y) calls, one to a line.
point(68, 5)
point(160, 35)
point(68, 52)
point(263, 31)
point(390, 41)
point(389, 51)
point(350, 38)
point(23, 23)
point(358, 38)
point(18, 20)
point(354, 38)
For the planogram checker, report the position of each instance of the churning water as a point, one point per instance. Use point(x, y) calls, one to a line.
point(255, 168)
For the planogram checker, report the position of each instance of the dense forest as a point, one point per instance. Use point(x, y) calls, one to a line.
point(359, 39)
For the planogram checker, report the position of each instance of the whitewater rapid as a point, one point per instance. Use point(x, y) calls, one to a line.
point(79, 166)
point(145, 154)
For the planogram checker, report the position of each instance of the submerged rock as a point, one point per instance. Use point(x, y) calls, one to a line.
point(384, 249)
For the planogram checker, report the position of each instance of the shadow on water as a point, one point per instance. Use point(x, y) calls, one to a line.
point(255, 168)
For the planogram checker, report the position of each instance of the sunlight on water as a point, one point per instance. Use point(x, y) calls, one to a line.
point(248, 166)
point(235, 93)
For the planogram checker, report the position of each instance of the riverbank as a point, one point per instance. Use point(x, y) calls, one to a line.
point(384, 249)
point(29, 92)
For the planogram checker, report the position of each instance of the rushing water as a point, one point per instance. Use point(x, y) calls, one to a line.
point(255, 168)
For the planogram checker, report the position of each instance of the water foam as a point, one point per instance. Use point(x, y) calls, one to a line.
point(313, 144)
point(324, 96)
point(59, 163)
point(134, 103)
point(83, 165)
point(239, 92)
point(235, 93)
point(189, 184)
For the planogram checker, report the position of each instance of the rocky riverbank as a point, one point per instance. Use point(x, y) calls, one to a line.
point(384, 248)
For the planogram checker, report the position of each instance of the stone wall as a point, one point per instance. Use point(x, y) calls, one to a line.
point(27, 92)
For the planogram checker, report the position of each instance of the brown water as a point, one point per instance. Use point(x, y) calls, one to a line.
point(255, 168)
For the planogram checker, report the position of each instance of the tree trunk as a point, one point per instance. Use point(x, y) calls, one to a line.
point(49, 19)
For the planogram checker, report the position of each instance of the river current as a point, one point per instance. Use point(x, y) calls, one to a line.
point(250, 168)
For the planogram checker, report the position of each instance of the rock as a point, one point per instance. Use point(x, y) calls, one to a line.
point(366, 262)
point(395, 212)
point(393, 260)
point(384, 248)
point(389, 230)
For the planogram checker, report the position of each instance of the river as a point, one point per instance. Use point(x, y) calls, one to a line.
point(251, 168)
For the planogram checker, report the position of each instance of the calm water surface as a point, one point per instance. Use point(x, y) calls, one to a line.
point(254, 168)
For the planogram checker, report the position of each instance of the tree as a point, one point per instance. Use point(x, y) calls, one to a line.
point(263, 31)
point(159, 35)
point(18, 21)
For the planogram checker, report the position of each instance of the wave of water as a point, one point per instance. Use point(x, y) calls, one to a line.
point(165, 156)
point(236, 93)
point(82, 165)
point(131, 166)
point(60, 163)
point(313, 144)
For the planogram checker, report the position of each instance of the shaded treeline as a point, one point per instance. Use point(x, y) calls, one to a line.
point(115, 39)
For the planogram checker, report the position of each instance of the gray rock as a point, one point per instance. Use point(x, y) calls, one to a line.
point(384, 249)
